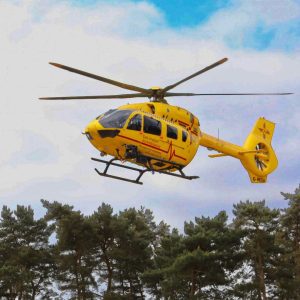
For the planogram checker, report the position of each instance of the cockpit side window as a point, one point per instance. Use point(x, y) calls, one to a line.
point(115, 119)
point(135, 123)
point(152, 126)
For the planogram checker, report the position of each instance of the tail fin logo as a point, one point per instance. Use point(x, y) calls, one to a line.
point(264, 131)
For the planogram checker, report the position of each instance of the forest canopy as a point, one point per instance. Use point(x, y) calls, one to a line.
point(127, 255)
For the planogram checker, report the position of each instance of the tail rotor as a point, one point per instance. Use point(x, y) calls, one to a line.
point(259, 158)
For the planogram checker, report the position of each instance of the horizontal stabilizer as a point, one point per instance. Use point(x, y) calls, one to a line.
point(217, 155)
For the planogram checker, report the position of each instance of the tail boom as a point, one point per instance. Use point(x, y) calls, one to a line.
point(256, 155)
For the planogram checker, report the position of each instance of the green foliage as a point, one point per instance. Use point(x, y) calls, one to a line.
point(105, 230)
point(126, 255)
point(288, 273)
point(157, 279)
point(133, 250)
point(259, 224)
point(74, 257)
point(26, 259)
point(204, 263)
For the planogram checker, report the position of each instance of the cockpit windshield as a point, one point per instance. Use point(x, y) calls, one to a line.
point(105, 114)
point(115, 119)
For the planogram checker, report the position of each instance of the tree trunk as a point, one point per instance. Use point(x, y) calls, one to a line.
point(193, 287)
point(77, 279)
point(130, 286)
point(33, 291)
point(122, 283)
point(140, 287)
point(261, 278)
point(82, 283)
point(297, 252)
point(109, 271)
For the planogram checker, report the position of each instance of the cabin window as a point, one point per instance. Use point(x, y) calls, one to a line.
point(135, 123)
point(171, 132)
point(115, 119)
point(152, 126)
point(184, 136)
point(192, 118)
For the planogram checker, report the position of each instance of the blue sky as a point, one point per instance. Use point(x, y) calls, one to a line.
point(262, 35)
point(146, 43)
point(189, 13)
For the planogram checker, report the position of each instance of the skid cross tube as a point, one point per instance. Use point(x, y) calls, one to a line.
point(149, 168)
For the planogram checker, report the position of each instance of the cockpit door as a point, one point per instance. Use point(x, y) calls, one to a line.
point(135, 123)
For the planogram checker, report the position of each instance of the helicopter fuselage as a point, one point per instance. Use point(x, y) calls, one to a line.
point(161, 131)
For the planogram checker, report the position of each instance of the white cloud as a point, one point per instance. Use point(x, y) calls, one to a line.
point(274, 12)
point(129, 42)
point(242, 23)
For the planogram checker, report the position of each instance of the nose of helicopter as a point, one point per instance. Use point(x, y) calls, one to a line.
point(91, 130)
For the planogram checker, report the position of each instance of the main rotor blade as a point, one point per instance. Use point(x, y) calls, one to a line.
point(169, 87)
point(104, 79)
point(121, 96)
point(230, 94)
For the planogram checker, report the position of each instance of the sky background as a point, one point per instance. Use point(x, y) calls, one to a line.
point(42, 152)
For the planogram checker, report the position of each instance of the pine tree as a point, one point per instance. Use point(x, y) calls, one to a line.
point(133, 251)
point(159, 281)
point(128, 256)
point(74, 250)
point(259, 226)
point(288, 274)
point(211, 249)
point(26, 263)
point(105, 227)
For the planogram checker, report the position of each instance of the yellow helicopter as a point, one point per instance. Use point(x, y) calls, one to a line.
point(163, 138)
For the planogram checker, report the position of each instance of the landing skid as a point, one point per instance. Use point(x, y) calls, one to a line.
point(148, 168)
